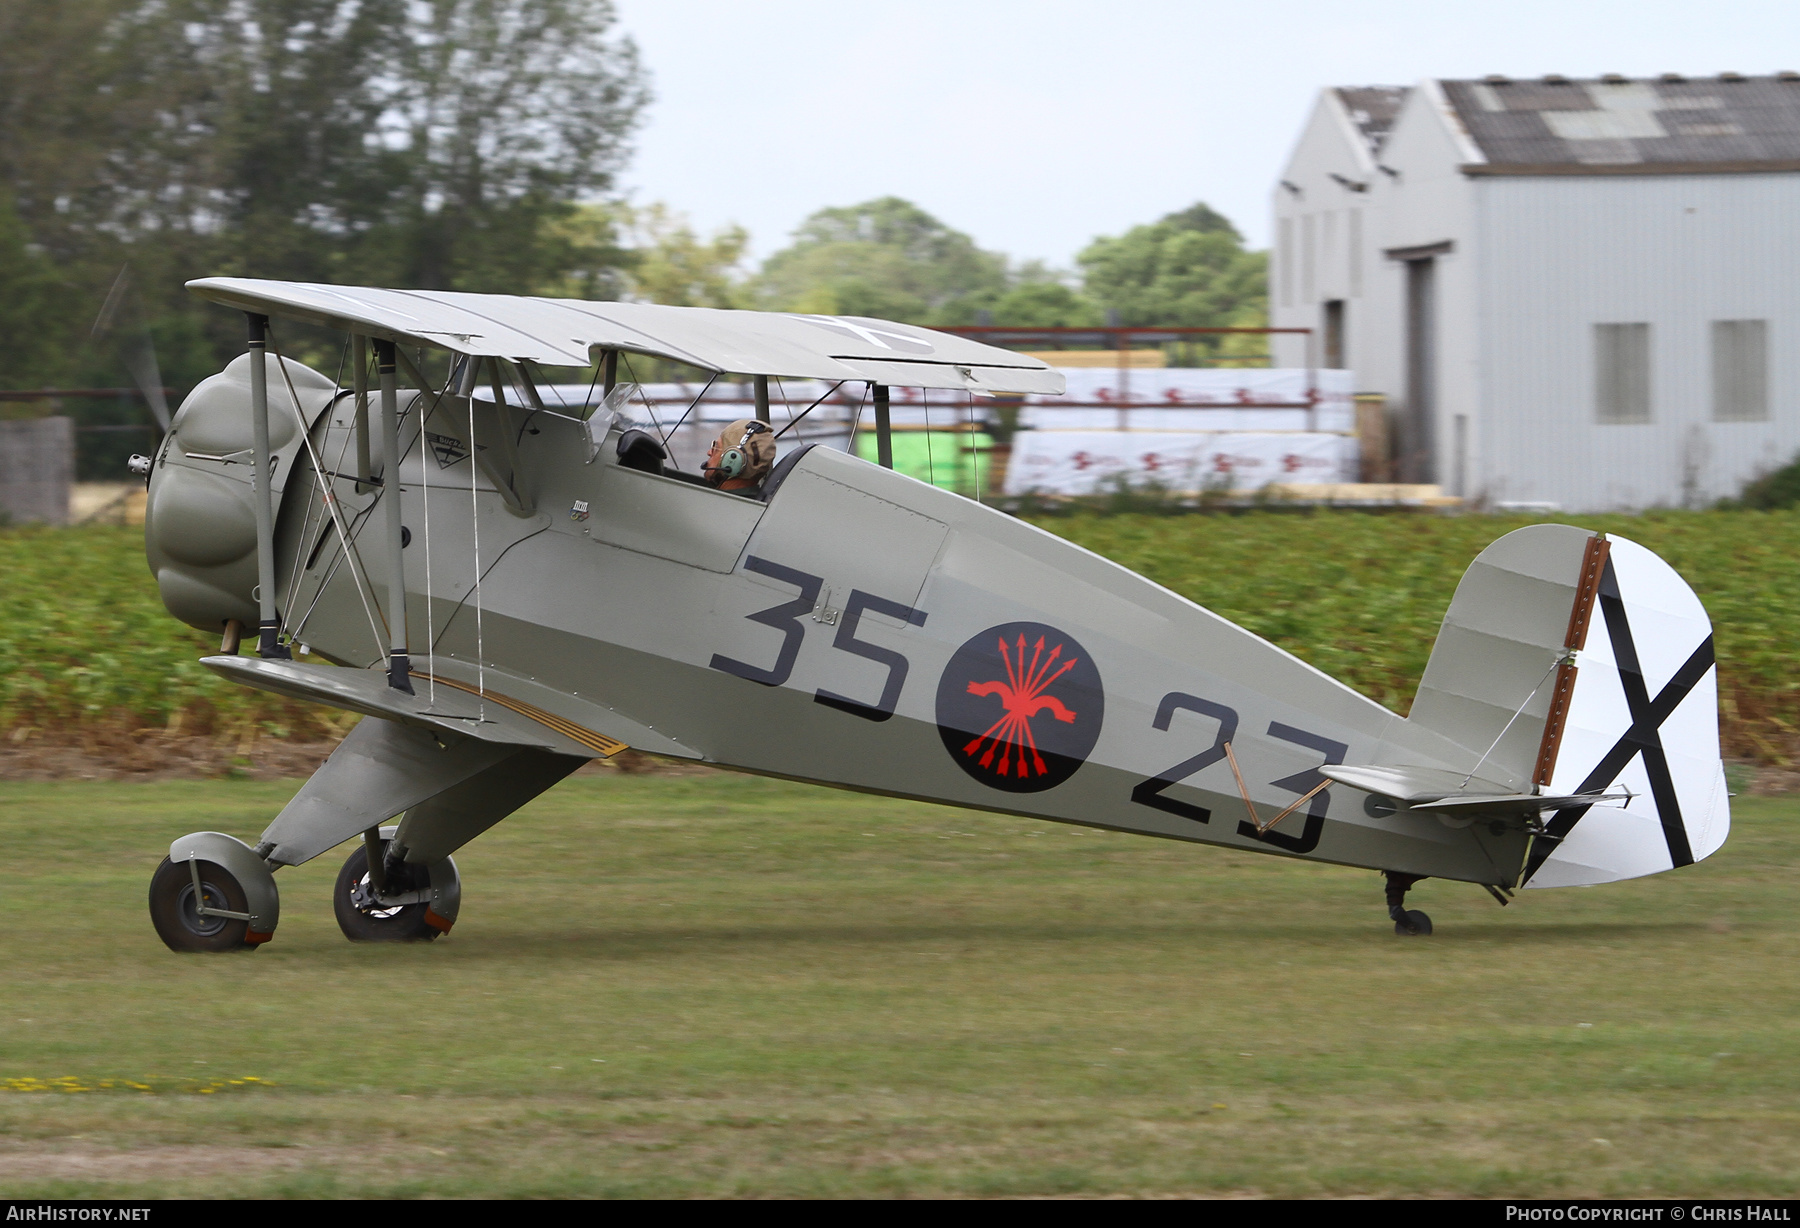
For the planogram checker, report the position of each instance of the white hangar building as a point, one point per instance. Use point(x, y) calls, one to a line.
point(1583, 293)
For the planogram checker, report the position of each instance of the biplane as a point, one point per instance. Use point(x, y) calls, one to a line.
point(506, 586)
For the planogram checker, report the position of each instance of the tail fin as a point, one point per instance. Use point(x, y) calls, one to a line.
point(1577, 664)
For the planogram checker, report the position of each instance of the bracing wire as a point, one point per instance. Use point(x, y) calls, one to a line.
point(856, 421)
point(1509, 724)
point(300, 551)
point(299, 627)
point(306, 520)
point(645, 398)
point(349, 552)
point(788, 405)
point(354, 554)
point(794, 420)
point(684, 417)
point(306, 534)
point(325, 484)
point(589, 398)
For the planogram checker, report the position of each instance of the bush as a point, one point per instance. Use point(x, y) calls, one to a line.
point(87, 649)
point(1772, 490)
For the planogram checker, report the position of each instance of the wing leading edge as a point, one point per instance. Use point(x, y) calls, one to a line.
point(565, 332)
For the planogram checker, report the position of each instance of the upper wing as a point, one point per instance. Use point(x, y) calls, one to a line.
point(564, 332)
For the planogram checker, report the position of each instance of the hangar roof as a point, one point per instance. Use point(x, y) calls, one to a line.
point(1621, 125)
point(1373, 109)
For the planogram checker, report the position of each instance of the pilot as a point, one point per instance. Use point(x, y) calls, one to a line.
point(741, 457)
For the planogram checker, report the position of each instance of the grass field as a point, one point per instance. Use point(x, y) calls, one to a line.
point(711, 985)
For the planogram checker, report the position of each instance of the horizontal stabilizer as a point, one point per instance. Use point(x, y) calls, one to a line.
point(1411, 785)
point(1512, 803)
point(1435, 789)
point(456, 707)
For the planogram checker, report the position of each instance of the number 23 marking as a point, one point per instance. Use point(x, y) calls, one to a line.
point(1149, 792)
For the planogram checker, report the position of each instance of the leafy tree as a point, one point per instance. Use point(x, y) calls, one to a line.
point(507, 112)
point(591, 256)
point(649, 253)
point(885, 257)
point(671, 264)
point(1190, 269)
point(436, 143)
point(1045, 304)
point(430, 143)
point(28, 307)
point(77, 105)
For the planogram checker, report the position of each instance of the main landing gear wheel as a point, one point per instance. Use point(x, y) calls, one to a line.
point(1407, 924)
point(363, 918)
point(1413, 924)
point(189, 920)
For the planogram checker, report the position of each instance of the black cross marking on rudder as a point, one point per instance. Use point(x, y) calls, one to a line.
point(1644, 737)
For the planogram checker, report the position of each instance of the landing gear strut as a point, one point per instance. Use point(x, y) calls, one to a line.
point(1413, 924)
point(380, 898)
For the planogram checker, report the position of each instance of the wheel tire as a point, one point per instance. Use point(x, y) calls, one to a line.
point(364, 921)
point(173, 908)
point(1414, 924)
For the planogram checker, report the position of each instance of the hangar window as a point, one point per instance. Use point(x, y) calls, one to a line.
point(1621, 373)
point(1740, 370)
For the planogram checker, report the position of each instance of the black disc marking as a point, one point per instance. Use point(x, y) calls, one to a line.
point(1020, 706)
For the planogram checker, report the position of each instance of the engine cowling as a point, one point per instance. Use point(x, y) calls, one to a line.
point(200, 522)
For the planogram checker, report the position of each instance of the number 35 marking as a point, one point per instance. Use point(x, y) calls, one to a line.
point(785, 618)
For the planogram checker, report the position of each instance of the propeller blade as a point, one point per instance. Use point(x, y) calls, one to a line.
point(120, 318)
point(139, 354)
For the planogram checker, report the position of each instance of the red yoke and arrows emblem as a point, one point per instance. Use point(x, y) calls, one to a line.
point(1019, 707)
point(1023, 695)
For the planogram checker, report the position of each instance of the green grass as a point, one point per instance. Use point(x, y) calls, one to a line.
point(793, 991)
point(87, 648)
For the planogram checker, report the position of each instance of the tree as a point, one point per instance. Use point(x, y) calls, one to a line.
point(28, 307)
point(432, 143)
point(649, 254)
point(670, 264)
point(506, 112)
point(1027, 304)
point(440, 143)
point(78, 100)
point(1189, 269)
point(429, 143)
point(885, 257)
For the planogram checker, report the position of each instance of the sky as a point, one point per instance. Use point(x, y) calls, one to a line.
point(1037, 126)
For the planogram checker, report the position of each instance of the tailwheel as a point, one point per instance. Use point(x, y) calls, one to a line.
point(398, 911)
point(200, 906)
point(1407, 923)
